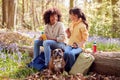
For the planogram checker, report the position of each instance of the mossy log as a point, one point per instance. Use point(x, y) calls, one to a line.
point(107, 63)
point(28, 49)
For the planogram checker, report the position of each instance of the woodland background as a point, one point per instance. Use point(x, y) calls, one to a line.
point(103, 15)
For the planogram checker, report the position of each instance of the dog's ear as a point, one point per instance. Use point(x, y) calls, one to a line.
point(63, 50)
point(52, 52)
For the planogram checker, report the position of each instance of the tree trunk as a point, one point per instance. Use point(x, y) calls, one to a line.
point(114, 1)
point(47, 4)
point(71, 3)
point(23, 11)
point(15, 13)
point(33, 14)
point(42, 2)
point(11, 13)
point(27, 5)
point(4, 12)
point(107, 63)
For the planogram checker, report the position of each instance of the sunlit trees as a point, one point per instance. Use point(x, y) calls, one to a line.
point(9, 8)
point(103, 15)
point(116, 18)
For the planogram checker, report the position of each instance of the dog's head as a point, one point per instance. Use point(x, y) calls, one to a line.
point(57, 53)
point(57, 62)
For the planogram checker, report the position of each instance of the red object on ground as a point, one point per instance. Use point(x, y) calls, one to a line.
point(94, 47)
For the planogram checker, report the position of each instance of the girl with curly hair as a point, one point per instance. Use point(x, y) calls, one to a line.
point(54, 30)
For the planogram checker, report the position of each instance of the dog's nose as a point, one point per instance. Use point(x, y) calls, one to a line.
point(61, 54)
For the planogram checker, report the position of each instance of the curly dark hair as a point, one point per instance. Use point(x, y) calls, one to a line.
point(49, 12)
point(80, 14)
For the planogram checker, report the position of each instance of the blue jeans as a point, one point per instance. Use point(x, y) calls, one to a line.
point(37, 44)
point(51, 45)
point(70, 56)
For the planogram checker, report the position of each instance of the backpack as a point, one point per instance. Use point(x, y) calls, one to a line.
point(38, 63)
point(82, 64)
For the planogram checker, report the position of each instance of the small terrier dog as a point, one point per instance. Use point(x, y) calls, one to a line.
point(57, 63)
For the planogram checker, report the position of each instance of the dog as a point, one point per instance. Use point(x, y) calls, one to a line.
point(57, 63)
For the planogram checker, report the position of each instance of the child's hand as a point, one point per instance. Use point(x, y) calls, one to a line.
point(81, 44)
point(40, 38)
point(75, 45)
point(68, 32)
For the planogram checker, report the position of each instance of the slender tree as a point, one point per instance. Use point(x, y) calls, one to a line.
point(11, 13)
point(42, 9)
point(71, 3)
point(23, 11)
point(4, 12)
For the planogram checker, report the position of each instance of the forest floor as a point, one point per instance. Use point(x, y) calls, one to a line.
point(18, 37)
point(46, 75)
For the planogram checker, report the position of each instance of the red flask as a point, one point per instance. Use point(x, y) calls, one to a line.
point(94, 47)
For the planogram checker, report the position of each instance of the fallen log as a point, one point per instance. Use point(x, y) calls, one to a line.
point(26, 49)
point(107, 63)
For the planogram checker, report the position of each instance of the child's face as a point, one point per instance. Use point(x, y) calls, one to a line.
point(53, 19)
point(73, 17)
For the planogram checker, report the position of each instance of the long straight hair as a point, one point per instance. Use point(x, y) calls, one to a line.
point(80, 14)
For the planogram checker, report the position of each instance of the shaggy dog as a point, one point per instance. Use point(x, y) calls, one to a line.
point(57, 63)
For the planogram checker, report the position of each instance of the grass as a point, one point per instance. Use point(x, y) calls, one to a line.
point(14, 67)
point(105, 47)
